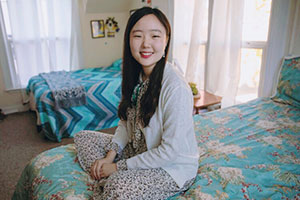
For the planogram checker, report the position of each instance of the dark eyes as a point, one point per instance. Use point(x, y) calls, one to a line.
point(139, 36)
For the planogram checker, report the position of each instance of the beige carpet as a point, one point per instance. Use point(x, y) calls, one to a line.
point(19, 143)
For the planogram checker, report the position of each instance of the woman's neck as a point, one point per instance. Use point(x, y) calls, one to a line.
point(147, 71)
point(145, 76)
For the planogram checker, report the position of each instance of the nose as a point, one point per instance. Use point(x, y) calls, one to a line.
point(146, 42)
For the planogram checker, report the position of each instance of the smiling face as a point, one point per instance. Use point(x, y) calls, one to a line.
point(148, 41)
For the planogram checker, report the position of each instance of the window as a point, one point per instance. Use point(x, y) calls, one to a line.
point(256, 14)
point(255, 36)
point(39, 38)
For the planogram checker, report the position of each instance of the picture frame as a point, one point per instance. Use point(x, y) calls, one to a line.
point(97, 28)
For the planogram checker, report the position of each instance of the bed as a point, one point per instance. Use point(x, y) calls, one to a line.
point(247, 151)
point(102, 86)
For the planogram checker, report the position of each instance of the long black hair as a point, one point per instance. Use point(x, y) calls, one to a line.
point(131, 69)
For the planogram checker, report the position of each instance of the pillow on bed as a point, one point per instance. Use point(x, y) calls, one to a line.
point(288, 88)
point(117, 65)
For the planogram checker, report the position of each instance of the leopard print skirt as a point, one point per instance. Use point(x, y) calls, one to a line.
point(124, 184)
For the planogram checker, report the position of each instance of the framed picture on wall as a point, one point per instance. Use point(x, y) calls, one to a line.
point(97, 28)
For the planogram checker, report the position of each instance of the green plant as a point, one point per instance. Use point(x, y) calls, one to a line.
point(193, 88)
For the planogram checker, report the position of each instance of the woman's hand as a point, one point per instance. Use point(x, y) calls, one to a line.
point(107, 169)
point(96, 168)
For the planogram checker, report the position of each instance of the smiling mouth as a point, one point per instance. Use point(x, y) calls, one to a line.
point(146, 54)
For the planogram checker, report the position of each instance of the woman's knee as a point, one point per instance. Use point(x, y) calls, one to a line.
point(117, 187)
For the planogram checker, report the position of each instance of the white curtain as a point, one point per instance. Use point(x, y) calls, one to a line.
point(207, 44)
point(45, 37)
point(222, 69)
point(196, 60)
point(219, 71)
point(277, 43)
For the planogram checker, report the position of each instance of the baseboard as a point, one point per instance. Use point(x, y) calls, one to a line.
point(15, 108)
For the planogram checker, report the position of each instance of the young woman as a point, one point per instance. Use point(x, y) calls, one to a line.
point(153, 154)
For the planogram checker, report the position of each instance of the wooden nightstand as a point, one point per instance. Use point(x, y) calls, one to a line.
point(206, 99)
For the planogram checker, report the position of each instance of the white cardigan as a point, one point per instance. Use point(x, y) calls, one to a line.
point(170, 135)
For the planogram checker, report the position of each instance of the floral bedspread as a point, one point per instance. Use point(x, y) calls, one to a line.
point(248, 151)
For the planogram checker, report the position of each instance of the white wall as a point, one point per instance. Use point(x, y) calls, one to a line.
point(10, 101)
point(102, 51)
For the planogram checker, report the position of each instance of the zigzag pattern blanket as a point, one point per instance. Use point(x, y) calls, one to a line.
point(103, 93)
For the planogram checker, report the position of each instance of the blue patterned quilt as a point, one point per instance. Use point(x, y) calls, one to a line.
point(248, 151)
point(103, 93)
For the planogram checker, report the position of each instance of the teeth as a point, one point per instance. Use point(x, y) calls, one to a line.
point(146, 54)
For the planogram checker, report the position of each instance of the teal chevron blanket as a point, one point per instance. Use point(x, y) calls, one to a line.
point(66, 91)
point(103, 93)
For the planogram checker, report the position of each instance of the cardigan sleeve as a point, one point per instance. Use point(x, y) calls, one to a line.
point(121, 135)
point(177, 120)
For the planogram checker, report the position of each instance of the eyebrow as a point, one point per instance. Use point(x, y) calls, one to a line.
point(152, 30)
